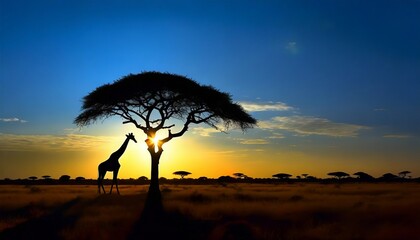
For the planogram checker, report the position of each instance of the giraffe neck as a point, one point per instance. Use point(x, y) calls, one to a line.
point(121, 150)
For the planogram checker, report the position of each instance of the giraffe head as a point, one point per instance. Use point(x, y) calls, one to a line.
point(131, 136)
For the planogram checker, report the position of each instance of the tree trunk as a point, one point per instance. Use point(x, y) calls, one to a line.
point(154, 190)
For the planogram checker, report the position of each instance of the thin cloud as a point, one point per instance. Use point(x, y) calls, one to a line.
point(398, 136)
point(12, 120)
point(305, 125)
point(204, 132)
point(292, 47)
point(69, 142)
point(256, 141)
point(270, 106)
point(276, 136)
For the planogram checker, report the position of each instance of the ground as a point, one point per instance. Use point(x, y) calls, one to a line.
point(233, 211)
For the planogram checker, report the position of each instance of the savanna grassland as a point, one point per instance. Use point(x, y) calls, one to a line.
point(234, 211)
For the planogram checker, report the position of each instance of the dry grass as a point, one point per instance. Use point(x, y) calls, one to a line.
point(289, 211)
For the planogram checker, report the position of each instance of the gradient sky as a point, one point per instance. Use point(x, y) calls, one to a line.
point(335, 85)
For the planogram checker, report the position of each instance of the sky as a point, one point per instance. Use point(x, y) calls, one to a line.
point(334, 85)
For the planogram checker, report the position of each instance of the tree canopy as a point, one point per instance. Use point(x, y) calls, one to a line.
point(403, 174)
point(338, 175)
point(282, 176)
point(363, 176)
point(182, 173)
point(149, 99)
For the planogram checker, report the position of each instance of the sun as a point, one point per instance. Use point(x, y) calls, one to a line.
point(156, 140)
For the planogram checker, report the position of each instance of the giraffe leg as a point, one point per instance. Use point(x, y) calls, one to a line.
point(100, 181)
point(116, 180)
point(102, 184)
point(112, 184)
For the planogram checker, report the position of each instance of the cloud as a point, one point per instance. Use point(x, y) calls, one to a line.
point(305, 125)
point(260, 107)
point(69, 142)
point(276, 136)
point(204, 131)
point(292, 47)
point(399, 136)
point(12, 120)
point(256, 141)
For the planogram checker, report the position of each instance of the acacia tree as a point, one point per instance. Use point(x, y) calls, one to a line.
point(282, 176)
point(182, 174)
point(239, 175)
point(403, 174)
point(154, 101)
point(338, 175)
point(363, 176)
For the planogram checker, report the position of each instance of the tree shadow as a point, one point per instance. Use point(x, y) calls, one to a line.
point(45, 227)
point(157, 223)
point(152, 219)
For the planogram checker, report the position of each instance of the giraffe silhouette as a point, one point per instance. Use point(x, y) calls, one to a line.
point(113, 165)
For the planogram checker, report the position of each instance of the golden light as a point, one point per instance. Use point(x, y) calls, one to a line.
point(155, 141)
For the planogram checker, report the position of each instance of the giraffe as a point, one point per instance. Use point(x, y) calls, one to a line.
point(113, 165)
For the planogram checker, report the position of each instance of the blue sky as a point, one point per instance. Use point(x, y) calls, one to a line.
point(318, 75)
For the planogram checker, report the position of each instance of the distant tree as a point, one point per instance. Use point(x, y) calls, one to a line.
point(299, 177)
point(223, 180)
point(46, 177)
point(338, 175)
point(403, 174)
point(182, 174)
point(33, 178)
point(239, 175)
point(79, 178)
point(310, 178)
point(64, 178)
point(143, 178)
point(202, 178)
point(305, 175)
point(282, 176)
point(156, 102)
point(389, 176)
point(363, 176)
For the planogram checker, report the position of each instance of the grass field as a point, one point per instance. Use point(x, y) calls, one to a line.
point(235, 211)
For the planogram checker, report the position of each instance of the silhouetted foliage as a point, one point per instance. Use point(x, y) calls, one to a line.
point(364, 176)
point(143, 178)
point(182, 174)
point(338, 175)
point(225, 179)
point(310, 178)
point(305, 175)
point(403, 174)
point(33, 178)
point(202, 178)
point(239, 175)
point(79, 178)
point(152, 100)
point(389, 177)
point(282, 176)
point(64, 178)
point(46, 177)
